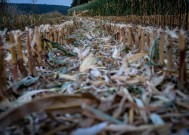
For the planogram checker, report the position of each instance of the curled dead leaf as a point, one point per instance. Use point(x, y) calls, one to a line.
point(89, 62)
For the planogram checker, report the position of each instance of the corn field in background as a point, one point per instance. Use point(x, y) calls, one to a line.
point(153, 20)
point(22, 21)
point(12, 17)
point(176, 9)
point(3, 7)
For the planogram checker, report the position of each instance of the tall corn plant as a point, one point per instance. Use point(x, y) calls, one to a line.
point(137, 7)
point(3, 7)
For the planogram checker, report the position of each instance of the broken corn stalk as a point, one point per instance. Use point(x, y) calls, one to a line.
point(182, 64)
point(39, 47)
point(19, 46)
point(12, 48)
point(138, 38)
point(20, 56)
point(29, 54)
point(59, 36)
point(123, 36)
point(33, 47)
point(2, 69)
point(51, 34)
point(13, 54)
point(56, 35)
point(143, 41)
point(148, 40)
point(169, 51)
point(161, 48)
point(129, 42)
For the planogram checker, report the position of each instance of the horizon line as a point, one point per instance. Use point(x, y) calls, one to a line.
point(38, 4)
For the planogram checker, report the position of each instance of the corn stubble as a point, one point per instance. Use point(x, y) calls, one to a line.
point(20, 56)
point(39, 47)
point(161, 48)
point(3, 86)
point(144, 45)
point(14, 56)
point(29, 54)
point(169, 53)
point(182, 78)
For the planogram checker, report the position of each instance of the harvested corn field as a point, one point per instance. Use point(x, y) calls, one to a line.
point(94, 75)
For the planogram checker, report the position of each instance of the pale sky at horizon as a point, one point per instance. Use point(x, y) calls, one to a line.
point(49, 2)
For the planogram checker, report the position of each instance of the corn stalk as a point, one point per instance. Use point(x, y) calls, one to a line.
point(2, 69)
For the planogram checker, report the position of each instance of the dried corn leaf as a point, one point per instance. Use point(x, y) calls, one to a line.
point(96, 129)
point(158, 80)
point(156, 119)
point(137, 56)
point(89, 62)
point(129, 128)
point(67, 77)
point(27, 97)
point(101, 115)
point(20, 112)
point(142, 113)
point(26, 82)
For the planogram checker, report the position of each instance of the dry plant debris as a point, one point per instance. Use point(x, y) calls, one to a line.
point(97, 78)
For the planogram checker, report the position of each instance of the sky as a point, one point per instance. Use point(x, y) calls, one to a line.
point(49, 2)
